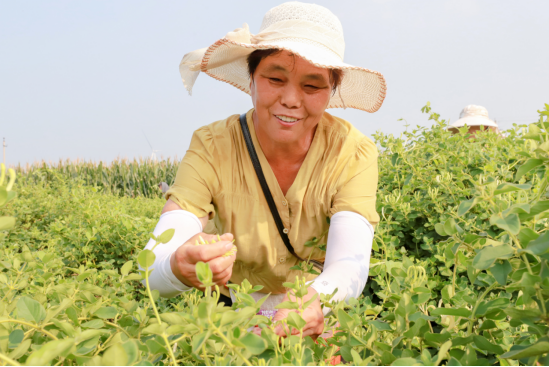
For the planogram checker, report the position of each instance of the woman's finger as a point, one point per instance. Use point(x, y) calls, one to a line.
point(221, 264)
point(206, 253)
point(217, 278)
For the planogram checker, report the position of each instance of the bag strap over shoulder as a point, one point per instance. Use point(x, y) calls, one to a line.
point(267, 191)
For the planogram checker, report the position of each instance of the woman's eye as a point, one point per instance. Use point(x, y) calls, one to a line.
point(275, 80)
point(312, 86)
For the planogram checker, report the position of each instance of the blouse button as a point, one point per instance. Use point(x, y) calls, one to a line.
point(285, 230)
point(282, 260)
point(284, 203)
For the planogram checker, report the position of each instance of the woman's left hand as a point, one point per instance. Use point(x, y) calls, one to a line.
point(312, 315)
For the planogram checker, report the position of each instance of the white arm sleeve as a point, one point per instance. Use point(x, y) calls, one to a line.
point(347, 256)
point(186, 225)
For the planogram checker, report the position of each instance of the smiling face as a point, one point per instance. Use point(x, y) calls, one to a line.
point(289, 95)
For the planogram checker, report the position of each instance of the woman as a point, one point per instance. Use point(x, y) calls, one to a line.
point(315, 165)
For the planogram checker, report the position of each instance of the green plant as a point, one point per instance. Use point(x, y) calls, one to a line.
point(6, 195)
point(458, 275)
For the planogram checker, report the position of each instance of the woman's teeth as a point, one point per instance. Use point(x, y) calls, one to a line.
point(287, 119)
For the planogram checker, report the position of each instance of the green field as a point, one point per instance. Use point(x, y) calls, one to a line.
point(459, 273)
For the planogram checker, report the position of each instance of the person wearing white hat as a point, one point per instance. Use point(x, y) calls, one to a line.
point(271, 177)
point(474, 117)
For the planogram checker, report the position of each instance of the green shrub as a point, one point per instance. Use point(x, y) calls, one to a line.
point(459, 273)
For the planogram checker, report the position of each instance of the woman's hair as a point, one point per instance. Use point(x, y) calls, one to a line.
point(336, 75)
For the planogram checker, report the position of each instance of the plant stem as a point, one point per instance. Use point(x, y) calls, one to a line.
point(228, 342)
point(9, 360)
point(538, 292)
point(153, 304)
point(473, 319)
point(32, 326)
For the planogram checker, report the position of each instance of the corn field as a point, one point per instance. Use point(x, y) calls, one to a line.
point(131, 178)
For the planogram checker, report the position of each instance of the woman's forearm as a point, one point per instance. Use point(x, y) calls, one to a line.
point(162, 278)
point(347, 256)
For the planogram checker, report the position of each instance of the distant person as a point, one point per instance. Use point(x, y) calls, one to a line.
point(474, 117)
point(315, 166)
point(164, 187)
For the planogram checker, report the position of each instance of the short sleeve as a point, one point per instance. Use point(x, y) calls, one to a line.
point(357, 192)
point(196, 180)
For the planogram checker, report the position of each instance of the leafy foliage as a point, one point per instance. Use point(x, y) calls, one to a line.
point(459, 273)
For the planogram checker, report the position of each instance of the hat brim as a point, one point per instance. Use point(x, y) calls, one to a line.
point(361, 88)
point(474, 121)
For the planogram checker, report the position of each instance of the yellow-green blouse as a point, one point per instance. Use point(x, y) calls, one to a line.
point(216, 178)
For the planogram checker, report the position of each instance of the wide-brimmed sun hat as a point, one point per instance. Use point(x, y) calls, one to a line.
point(473, 115)
point(309, 31)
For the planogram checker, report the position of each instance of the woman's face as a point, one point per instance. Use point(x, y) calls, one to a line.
point(289, 95)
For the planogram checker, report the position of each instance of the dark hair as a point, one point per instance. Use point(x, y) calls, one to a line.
point(336, 75)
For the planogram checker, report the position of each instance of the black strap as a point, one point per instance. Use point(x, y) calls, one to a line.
point(267, 191)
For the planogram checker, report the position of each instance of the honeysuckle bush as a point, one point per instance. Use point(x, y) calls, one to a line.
point(459, 273)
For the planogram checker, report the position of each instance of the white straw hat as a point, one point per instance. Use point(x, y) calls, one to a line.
point(307, 30)
point(474, 116)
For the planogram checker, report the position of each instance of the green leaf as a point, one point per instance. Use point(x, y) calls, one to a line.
point(510, 187)
point(254, 343)
point(295, 320)
point(521, 208)
point(466, 205)
point(125, 269)
point(16, 336)
point(539, 246)
point(483, 343)
point(450, 227)
point(537, 208)
point(166, 236)
point(527, 167)
point(345, 320)
point(3, 195)
point(489, 254)
point(501, 270)
point(93, 324)
point(157, 329)
point(534, 132)
point(106, 312)
point(421, 298)
point(20, 350)
point(132, 351)
point(439, 228)
point(405, 362)
point(463, 312)
point(287, 305)
point(146, 258)
point(487, 325)
point(443, 352)
point(531, 351)
point(49, 351)
point(30, 310)
point(510, 223)
point(199, 339)
point(7, 223)
point(381, 326)
point(526, 235)
point(398, 272)
point(115, 356)
point(204, 273)
point(356, 358)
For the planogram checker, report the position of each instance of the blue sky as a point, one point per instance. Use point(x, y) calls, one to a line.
point(85, 79)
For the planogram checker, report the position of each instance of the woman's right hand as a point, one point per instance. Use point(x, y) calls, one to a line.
point(183, 260)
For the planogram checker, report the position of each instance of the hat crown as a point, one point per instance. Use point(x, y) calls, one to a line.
point(473, 110)
point(325, 29)
point(295, 10)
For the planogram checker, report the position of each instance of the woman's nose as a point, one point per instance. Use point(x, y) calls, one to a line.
point(291, 97)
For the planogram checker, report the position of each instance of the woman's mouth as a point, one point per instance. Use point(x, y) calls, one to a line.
point(287, 120)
